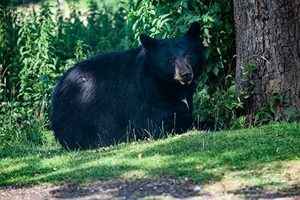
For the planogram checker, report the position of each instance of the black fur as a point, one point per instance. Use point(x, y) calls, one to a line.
point(135, 93)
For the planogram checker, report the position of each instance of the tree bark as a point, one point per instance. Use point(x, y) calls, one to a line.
point(268, 38)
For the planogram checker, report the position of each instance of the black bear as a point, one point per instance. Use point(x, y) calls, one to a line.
point(136, 93)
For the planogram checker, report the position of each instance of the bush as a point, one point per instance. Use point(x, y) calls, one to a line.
point(18, 127)
point(36, 53)
point(38, 46)
point(9, 66)
point(218, 110)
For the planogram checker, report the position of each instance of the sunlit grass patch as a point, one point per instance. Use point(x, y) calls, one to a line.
point(251, 156)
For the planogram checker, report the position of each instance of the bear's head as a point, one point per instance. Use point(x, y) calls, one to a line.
point(175, 60)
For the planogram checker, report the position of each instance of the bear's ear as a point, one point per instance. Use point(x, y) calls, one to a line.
point(194, 30)
point(147, 42)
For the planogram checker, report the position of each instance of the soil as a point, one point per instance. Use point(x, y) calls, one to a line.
point(146, 189)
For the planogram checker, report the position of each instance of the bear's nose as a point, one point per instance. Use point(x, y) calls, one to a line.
point(183, 71)
point(187, 77)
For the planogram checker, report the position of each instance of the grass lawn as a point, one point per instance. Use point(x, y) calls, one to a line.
point(267, 157)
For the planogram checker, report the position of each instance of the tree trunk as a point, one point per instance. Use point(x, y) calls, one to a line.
point(268, 53)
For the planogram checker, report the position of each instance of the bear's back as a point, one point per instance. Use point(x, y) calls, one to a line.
point(100, 84)
point(112, 65)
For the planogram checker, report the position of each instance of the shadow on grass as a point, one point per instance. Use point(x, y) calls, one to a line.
point(202, 158)
point(32, 172)
point(23, 151)
point(237, 150)
point(85, 167)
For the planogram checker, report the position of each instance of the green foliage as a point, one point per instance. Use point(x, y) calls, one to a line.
point(38, 72)
point(9, 66)
point(36, 48)
point(218, 109)
point(18, 127)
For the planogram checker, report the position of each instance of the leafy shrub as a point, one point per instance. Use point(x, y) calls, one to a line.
point(9, 66)
point(219, 109)
point(38, 46)
point(38, 73)
point(17, 126)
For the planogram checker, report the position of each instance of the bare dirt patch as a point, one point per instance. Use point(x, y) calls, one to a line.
point(146, 189)
point(165, 188)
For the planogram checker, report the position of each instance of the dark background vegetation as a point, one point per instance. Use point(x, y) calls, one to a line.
point(40, 40)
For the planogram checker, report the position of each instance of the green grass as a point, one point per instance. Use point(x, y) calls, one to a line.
point(253, 154)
